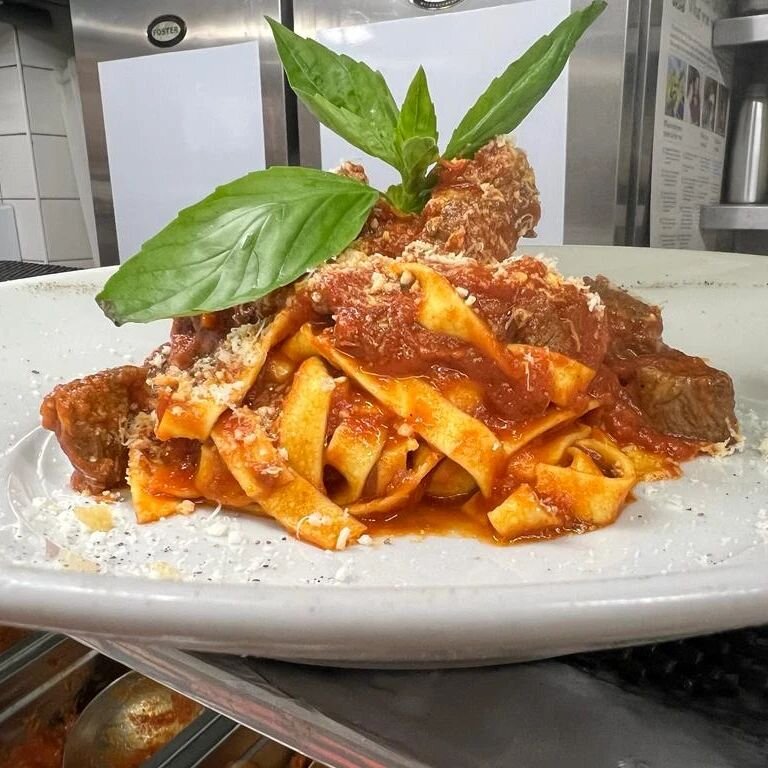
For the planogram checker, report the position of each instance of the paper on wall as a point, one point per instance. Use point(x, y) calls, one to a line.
point(691, 118)
point(461, 53)
point(178, 124)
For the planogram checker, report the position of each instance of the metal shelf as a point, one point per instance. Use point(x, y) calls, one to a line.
point(492, 717)
point(742, 30)
point(735, 216)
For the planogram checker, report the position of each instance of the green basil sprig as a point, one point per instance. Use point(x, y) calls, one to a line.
point(249, 237)
point(355, 102)
point(417, 145)
point(348, 96)
point(268, 228)
point(512, 95)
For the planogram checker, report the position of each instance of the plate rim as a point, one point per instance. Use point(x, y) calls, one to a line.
point(739, 591)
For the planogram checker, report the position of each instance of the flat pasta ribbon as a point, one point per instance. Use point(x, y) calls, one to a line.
point(265, 476)
point(446, 428)
point(190, 402)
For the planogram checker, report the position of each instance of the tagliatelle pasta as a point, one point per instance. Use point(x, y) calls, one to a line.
point(348, 362)
point(282, 418)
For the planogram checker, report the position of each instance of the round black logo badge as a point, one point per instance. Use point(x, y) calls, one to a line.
point(166, 31)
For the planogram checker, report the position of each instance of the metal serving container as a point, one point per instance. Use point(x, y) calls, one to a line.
point(46, 681)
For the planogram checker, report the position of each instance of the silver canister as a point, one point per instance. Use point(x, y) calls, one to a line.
point(748, 171)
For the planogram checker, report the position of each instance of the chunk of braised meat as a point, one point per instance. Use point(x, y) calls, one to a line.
point(635, 327)
point(194, 337)
point(621, 417)
point(90, 416)
point(677, 394)
point(681, 395)
point(480, 207)
point(388, 231)
point(483, 206)
point(198, 336)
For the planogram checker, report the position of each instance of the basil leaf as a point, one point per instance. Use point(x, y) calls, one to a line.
point(512, 95)
point(349, 97)
point(417, 146)
point(250, 236)
point(417, 115)
point(418, 154)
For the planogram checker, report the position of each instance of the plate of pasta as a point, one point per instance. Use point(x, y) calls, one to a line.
point(315, 421)
point(686, 554)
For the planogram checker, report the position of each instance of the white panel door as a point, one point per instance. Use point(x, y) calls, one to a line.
point(178, 125)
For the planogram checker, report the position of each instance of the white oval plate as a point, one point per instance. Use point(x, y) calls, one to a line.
point(689, 556)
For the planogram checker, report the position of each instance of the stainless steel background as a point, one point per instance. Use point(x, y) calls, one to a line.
point(108, 29)
point(602, 90)
point(612, 84)
point(636, 148)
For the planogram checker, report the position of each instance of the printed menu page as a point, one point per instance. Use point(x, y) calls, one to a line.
point(691, 118)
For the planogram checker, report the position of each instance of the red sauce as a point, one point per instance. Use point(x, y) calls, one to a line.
point(41, 747)
point(356, 410)
point(624, 421)
point(423, 519)
point(382, 332)
point(174, 471)
point(432, 519)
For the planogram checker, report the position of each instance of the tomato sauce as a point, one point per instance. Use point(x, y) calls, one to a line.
point(427, 518)
point(42, 746)
point(174, 472)
point(626, 424)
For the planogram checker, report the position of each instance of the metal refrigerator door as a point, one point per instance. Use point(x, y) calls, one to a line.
point(600, 88)
point(105, 30)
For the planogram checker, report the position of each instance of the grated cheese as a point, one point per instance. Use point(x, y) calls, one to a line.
point(343, 538)
point(96, 517)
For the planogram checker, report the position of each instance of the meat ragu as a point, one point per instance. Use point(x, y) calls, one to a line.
point(90, 417)
point(367, 313)
point(479, 208)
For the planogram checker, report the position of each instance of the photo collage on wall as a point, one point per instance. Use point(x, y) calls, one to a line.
point(695, 98)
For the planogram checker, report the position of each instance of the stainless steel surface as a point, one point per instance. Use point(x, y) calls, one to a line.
point(264, 754)
point(748, 167)
point(541, 715)
point(735, 217)
point(108, 29)
point(130, 717)
point(601, 110)
point(743, 30)
point(749, 7)
point(32, 665)
point(215, 741)
point(636, 146)
point(195, 744)
point(44, 691)
point(256, 704)
point(601, 87)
